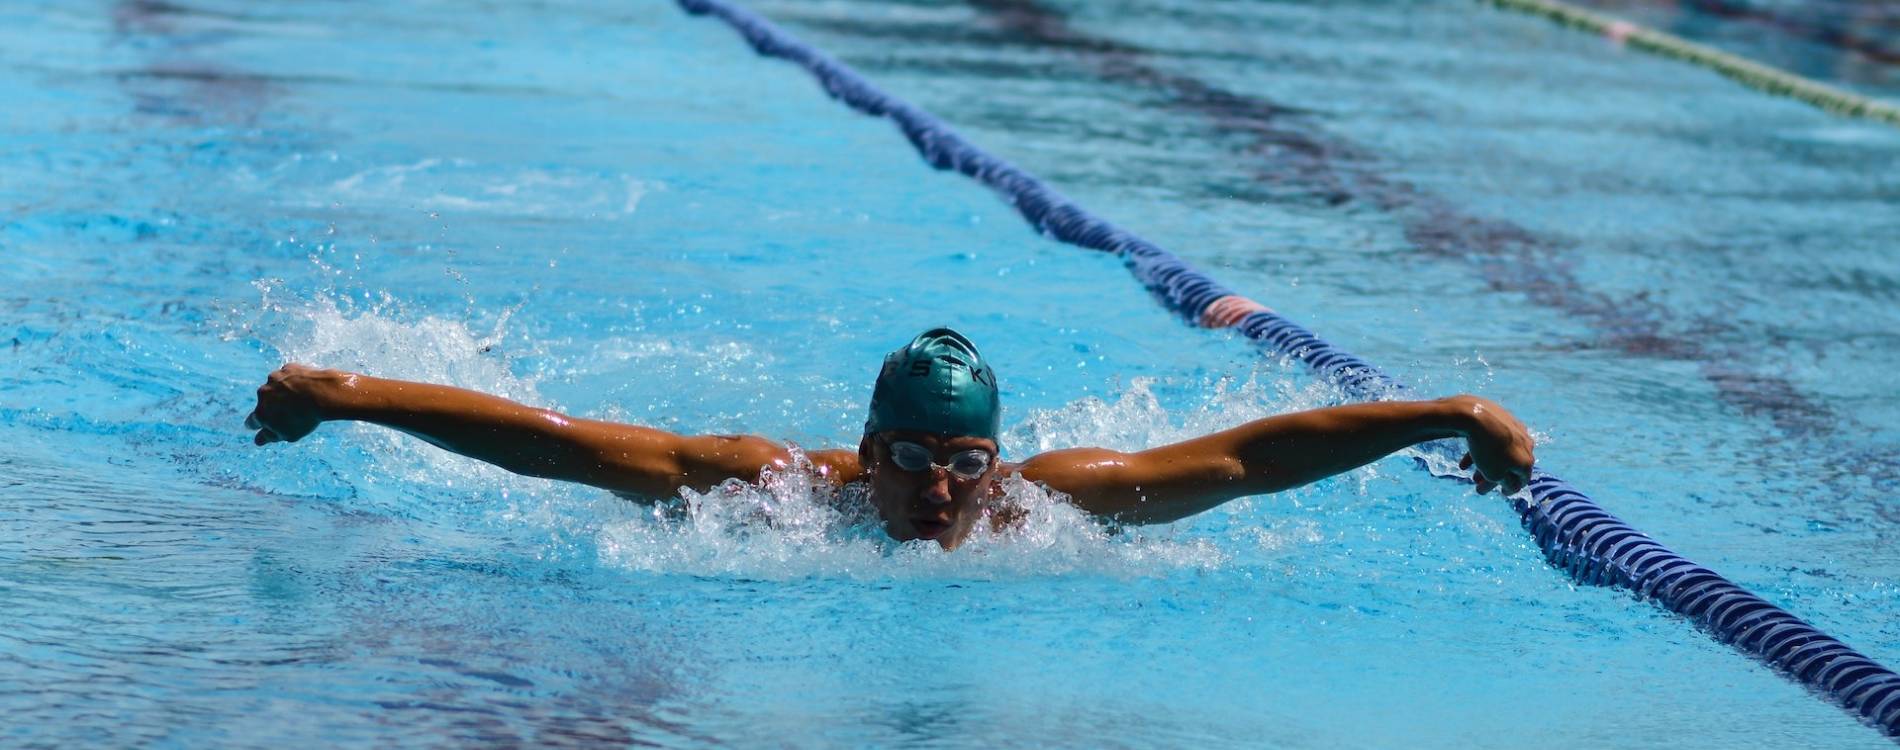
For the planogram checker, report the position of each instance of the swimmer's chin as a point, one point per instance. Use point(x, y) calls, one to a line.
point(947, 536)
point(924, 528)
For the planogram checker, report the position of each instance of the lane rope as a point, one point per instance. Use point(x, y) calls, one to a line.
point(1576, 535)
point(1748, 72)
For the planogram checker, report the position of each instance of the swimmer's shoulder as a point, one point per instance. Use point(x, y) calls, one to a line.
point(837, 465)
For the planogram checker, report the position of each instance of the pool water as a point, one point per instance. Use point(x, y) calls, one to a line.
point(1686, 287)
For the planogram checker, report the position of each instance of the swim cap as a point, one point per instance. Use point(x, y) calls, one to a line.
point(938, 384)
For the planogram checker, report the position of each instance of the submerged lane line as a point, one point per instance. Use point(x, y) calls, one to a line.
point(1312, 159)
point(1747, 72)
point(1508, 257)
point(1576, 534)
point(1825, 34)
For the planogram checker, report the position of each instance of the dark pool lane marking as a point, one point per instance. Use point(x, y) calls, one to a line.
point(1577, 535)
point(1507, 256)
point(177, 83)
point(1764, 78)
point(1830, 35)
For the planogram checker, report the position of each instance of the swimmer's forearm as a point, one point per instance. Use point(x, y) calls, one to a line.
point(514, 436)
point(543, 443)
point(1293, 450)
point(1268, 455)
point(1285, 451)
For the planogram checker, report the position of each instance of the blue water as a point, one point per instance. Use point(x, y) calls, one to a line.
point(1687, 288)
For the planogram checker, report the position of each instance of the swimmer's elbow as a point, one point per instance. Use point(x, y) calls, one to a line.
point(660, 469)
point(1142, 510)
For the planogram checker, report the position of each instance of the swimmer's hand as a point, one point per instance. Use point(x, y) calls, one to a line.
point(1499, 446)
point(290, 403)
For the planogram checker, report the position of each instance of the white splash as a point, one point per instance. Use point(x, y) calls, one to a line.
point(380, 341)
point(1137, 420)
point(793, 523)
point(383, 340)
point(462, 185)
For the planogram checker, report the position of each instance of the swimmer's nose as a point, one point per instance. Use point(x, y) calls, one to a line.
point(937, 492)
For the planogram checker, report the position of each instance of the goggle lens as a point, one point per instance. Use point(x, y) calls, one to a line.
point(969, 464)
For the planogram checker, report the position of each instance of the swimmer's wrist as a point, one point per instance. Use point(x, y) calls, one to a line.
point(1457, 416)
point(341, 396)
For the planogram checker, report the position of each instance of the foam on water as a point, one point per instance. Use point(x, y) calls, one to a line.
point(789, 525)
point(792, 525)
point(466, 186)
point(1137, 419)
point(367, 464)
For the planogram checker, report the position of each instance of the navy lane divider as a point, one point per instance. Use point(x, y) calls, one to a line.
point(1576, 535)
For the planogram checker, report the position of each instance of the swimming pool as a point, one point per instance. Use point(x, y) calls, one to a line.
point(590, 205)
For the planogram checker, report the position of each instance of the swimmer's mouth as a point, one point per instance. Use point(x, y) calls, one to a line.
point(929, 528)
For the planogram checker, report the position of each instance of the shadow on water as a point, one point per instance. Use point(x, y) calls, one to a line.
point(176, 80)
point(1842, 36)
point(468, 682)
point(1869, 29)
point(180, 79)
point(1293, 153)
point(1509, 257)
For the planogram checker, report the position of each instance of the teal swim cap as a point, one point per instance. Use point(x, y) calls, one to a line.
point(938, 384)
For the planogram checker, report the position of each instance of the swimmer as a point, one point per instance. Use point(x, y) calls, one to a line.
point(929, 449)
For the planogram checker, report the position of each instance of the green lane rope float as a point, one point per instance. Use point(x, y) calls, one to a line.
point(1749, 73)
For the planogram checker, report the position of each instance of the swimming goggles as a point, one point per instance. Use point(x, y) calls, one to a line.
point(968, 464)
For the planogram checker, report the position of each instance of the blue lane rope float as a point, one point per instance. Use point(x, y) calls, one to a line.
point(1576, 535)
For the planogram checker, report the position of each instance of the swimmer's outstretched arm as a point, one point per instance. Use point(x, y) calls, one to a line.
point(1282, 452)
point(523, 439)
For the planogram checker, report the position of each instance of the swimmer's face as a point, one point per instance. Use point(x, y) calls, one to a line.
point(932, 503)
